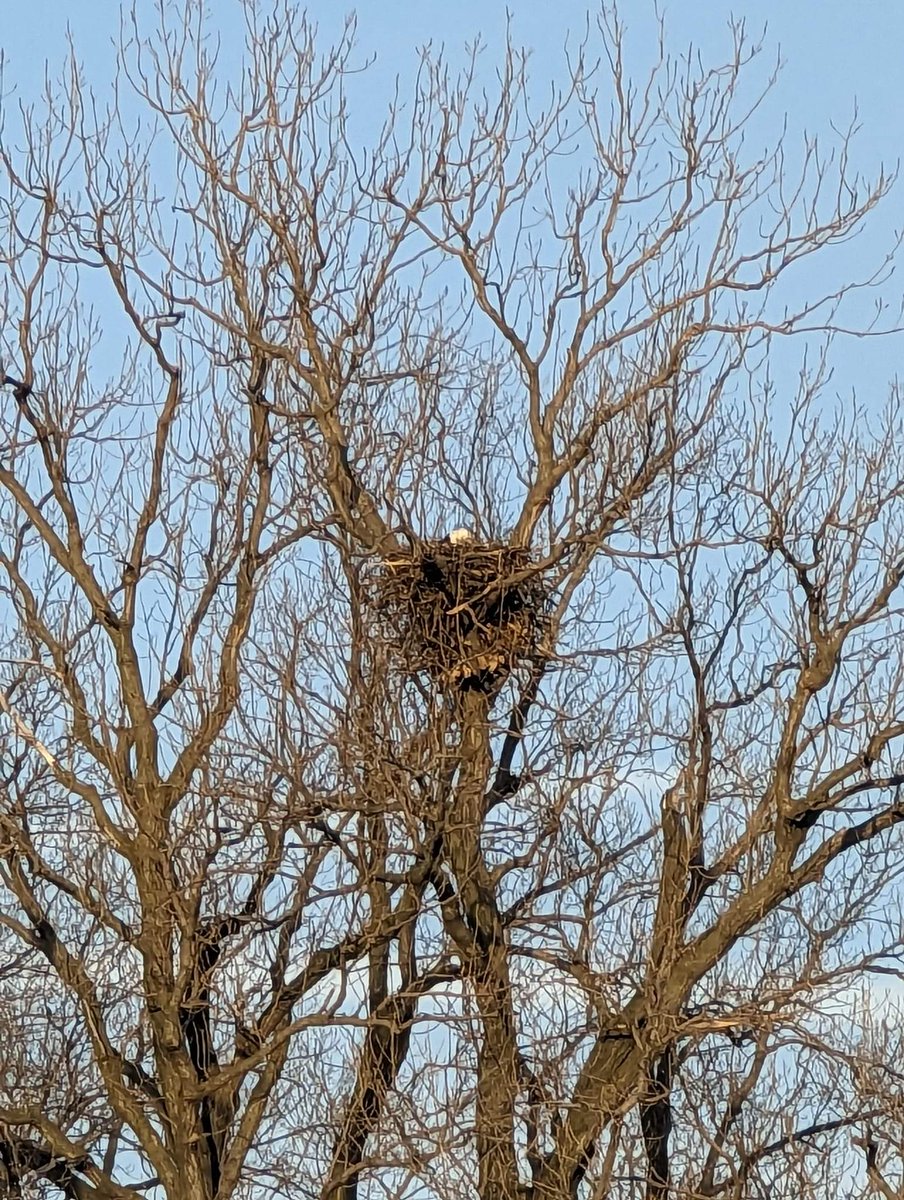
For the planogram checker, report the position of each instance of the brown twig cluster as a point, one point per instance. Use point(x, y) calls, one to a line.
point(467, 615)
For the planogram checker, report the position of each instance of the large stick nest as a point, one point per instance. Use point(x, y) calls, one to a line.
point(467, 615)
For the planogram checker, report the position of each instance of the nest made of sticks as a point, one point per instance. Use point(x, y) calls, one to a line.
point(466, 614)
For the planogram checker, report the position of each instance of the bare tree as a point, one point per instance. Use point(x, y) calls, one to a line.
point(342, 861)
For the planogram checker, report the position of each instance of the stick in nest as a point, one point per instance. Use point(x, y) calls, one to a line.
point(462, 611)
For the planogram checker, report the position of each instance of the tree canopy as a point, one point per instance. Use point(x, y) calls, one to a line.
point(340, 859)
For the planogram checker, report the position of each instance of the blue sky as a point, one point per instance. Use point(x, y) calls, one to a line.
point(835, 50)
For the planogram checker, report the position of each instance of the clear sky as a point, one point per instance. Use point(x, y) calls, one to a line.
point(836, 50)
point(839, 56)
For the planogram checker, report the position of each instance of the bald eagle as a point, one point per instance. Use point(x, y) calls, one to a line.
point(461, 537)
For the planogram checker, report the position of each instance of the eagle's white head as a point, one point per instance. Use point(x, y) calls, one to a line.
point(461, 537)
